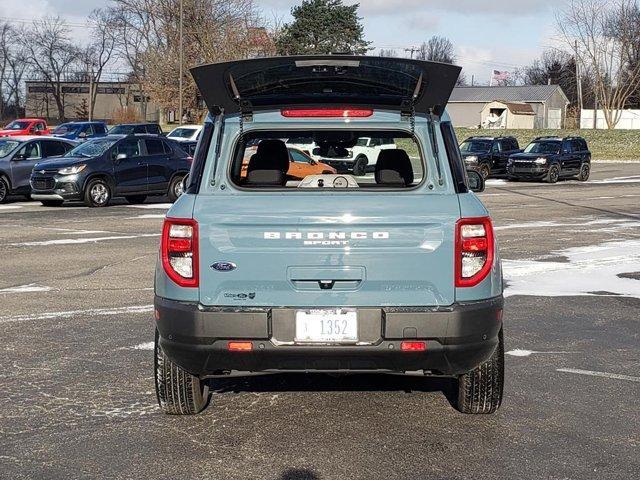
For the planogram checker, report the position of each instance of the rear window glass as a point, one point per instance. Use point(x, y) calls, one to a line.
point(337, 160)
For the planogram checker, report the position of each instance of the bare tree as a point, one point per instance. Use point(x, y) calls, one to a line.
point(214, 30)
point(387, 52)
point(437, 49)
point(97, 55)
point(607, 39)
point(17, 65)
point(51, 56)
point(5, 30)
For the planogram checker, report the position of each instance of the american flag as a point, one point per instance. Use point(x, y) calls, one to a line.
point(499, 76)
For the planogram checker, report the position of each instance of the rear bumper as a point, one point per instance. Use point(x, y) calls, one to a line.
point(459, 338)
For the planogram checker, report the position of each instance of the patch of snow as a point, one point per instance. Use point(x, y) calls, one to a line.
point(164, 206)
point(630, 179)
point(143, 346)
point(78, 313)
point(73, 241)
point(614, 376)
point(589, 269)
point(147, 215)
point(32, 287)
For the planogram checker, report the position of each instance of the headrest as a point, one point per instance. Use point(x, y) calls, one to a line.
point(394, 167)
point(265, 178)
point(271, 155)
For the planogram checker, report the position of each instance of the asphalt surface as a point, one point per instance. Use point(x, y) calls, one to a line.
point(76, 385)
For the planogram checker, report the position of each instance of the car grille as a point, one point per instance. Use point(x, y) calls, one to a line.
point(43, 183)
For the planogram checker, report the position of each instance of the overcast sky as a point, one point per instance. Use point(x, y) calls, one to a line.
point(498, 34)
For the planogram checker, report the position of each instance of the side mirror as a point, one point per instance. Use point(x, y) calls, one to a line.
point(82, 135)
point(32, 130)
point(20, 156)
point(475, 181)
point(121, 156)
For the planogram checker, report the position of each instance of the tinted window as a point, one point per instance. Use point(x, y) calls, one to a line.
point(54, 149)
point(65, 128)
point(298, 156)
point(122, 130)
point(155, 129)
point(480, 146)
point(505, 144)
point(167, 148)
point(139, 129)
point(576, 145)
point(31, 150)
point(99, 128)
point(544, 147)
point(88, 129)
point(154, 147)
point(130, 147)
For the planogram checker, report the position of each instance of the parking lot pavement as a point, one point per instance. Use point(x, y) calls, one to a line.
point(76, 386)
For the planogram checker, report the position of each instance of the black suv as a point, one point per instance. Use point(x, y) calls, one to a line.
point(133, 166)
point(551, 158)
point(137, 128)
point(488, 155)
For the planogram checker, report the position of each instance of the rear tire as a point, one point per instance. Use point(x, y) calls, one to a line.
point(51, 203)
point(4, 190)
point(97, 193)
point(480, 390)
point(178, 392)
point(175, 188)
point(360, 165)
point(553, 175)
point(485, 171)
point(135, 199)
point(585, 171)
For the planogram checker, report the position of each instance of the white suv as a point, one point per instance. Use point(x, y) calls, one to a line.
point(365, 153)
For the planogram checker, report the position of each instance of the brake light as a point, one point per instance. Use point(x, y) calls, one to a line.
point(179, 251)
point(327, 112)
point(473, 250)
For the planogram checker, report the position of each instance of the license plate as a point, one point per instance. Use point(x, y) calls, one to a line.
point(327, 326)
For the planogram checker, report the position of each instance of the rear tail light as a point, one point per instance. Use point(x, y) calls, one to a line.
point(327, 112)
point(413, 346)
point(240, 346)
point(179, 250)
point(474, 250)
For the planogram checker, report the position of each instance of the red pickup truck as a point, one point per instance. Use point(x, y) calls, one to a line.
point(25, 126)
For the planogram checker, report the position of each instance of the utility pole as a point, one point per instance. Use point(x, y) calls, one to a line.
point(578, 83)
point(181, 62)
point(412, 50)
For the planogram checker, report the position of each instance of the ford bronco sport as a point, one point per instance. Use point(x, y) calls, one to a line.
point(394, 272)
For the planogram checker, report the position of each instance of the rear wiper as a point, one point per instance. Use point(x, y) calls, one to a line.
point(434, 144)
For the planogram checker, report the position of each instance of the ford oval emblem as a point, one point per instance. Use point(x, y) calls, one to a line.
point(224, 266)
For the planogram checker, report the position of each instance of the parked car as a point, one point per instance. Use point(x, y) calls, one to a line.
point(305, 144)
point(18, 155)
point(136, 128)
point(301, 164)
point(359, 158)
point(489, 155)
point(185, 133)
point(133, 167)
point(550, 159)
point(394, 272)
point(80, 130)
point(189, 147)
point(25, 126)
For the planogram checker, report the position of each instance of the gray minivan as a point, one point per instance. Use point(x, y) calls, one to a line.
point(395, 270)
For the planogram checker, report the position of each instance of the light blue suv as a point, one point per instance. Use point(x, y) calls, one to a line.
point(395, 270)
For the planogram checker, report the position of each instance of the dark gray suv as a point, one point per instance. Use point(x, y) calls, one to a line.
point(18, 155)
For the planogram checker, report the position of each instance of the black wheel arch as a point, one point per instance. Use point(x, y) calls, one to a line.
point(103, 176)
point(5, 176)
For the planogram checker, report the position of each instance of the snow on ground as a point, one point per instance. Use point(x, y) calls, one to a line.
point(610, 268)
